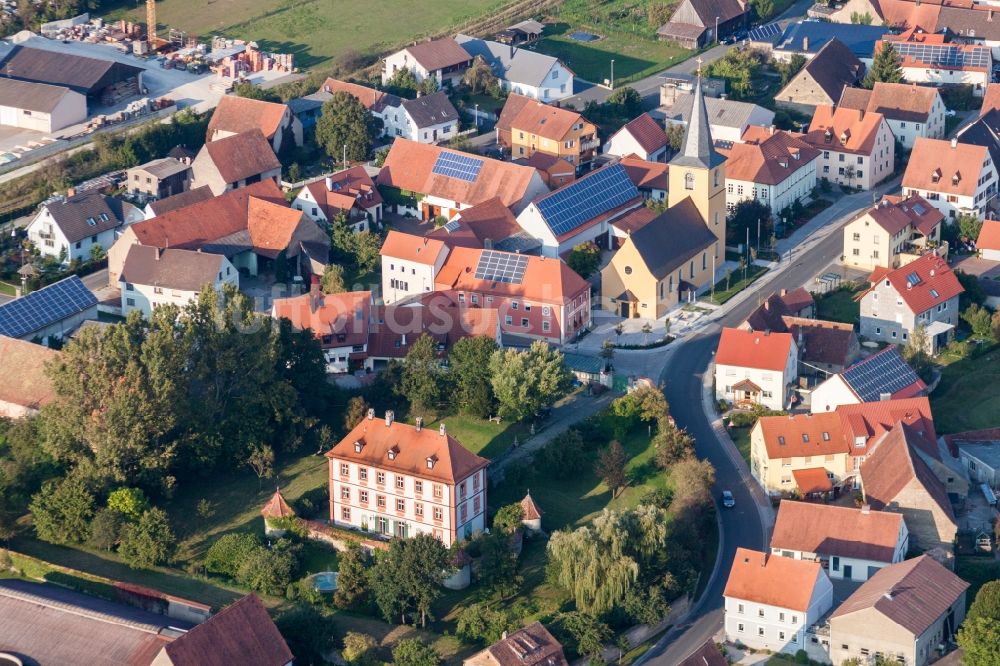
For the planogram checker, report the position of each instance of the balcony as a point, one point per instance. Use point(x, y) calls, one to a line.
point(590, 144)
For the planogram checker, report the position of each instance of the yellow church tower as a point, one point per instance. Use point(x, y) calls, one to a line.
point(699, 173)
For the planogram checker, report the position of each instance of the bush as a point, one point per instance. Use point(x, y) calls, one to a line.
point(62, 511)
point(6, 564)
point(308, 632)
point(564, 457)
point(129, 502)
point(478, 623)
point(414, 652)
point(269, 570)
point(105, 529)
point(358, 647)
point(149, 541)
point(230, 551)
point(312, 503)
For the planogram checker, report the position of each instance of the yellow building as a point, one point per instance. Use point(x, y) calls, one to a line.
point(527, 126)
point(674, 255)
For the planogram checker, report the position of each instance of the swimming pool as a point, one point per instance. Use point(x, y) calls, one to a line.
point(325, 581)
point(583, 36)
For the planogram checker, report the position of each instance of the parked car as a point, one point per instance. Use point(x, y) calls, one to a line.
point(728, 500)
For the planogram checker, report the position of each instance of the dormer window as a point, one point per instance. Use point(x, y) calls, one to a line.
point(358, 445)
point(805, 438)
point(104, 217)
point(91, 221)
point(826, 436)
point(431, 461)
point(781, 440)
point(956, 178)
point(859, 441)
point(936, 175)
point(393, 452)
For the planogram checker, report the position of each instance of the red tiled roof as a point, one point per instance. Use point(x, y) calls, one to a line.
point(371, 99)
point(803, 435)
point(510, 109)
point(770, 161)
point(23, 380)
point(908, 14)
point(545, 120)
point(439, 53)
point(849, 130)
point(635, 219)
point(989, 236)
point(648, 133)
point(796, 300)
point(241, 156)
point(937, 282)
point(894, 214)
point(344, 190)
point(240, 114)
point(896, 101)
point(277, 507)
point(271, 226)
point(759, 349)
point(549, 163)
point(241, 633)
point(772, 580)
point(344, 316)
point(828, 342)
point(913, 594)
point(206, 221)
point(412, 447)
point(827, 529)
point(812, 480)
point(394, 328)
point(646, 175)
point(531, 646)
point(872, 420)
point(531, 510)
point(489, 221)
point(894, 465)
point(938, 166)
point(408, 247)
point(991, 99)
point(409, 164)
point(546, 280)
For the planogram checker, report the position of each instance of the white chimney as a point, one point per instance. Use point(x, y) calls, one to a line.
point(866, 509)
point(329, 183)
point(371, 414)
point(389, 416)
point(954, 142)
point(420, 422)
point(443, 430)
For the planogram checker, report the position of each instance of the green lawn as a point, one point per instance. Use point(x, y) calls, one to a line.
point(839, 306)
point(736, 284)
point(965, 384)
point(316, 31)
point(635, 56)
point(976, 570)
point(741, 437)
point(8, 289)
point(486, 438)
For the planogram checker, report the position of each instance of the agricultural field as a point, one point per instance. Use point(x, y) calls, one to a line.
point(316, 31)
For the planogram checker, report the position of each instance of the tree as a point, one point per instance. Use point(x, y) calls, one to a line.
point(367, 246)
point(62, 510)
point(105, 529)
point(584, 258)
point(915, 351)
point(599, 563)
point(129, 502)
point(750, 216)
point(979, 638)
point(675, 136)
point(739, 67)
point(309, 633)
point(969, 226)
point(481, 623)
point(96, 252)
point(498, 567)
point(414, 652)
point(479, 77)
point(352, 580)
point(979, 320)
point(508, 518)
point(564, 457)
point(428, 86)
point(610, 467)
point(788, 69)
point(229, 551)
point(672, 444)
point(251, 91)
point(261, 461)
point(358, 647)
point(588, 632)
point(345, 122)
point(470, 374)
point(691, 480)
point(861, 19)
point(422, 375)
point(332, 281)
point(406, 579)
point(987, 602)
point(149, 541)
point(269, 570)
point(763, 8)
point(627, 100)
point(886, 67)
point(357, 411)
point(524, 382)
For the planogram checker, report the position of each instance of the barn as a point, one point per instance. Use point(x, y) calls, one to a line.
point(39, 106)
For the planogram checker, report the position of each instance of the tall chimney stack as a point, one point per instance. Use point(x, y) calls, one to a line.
point(389, 416)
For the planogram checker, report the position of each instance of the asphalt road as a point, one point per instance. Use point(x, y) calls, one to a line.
point(742, 526)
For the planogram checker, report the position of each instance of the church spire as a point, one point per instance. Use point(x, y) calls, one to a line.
point(697, 149)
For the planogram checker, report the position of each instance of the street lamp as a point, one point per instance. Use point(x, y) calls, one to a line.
point(477, 116)
point(612, 73)
point(716, 29)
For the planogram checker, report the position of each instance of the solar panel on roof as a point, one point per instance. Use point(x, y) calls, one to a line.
point(569, 207)
point(455, 165)
point(452, 226)
point(501, 267)
point(913, 279)
point(765, 33)
point(944, 55)
point(45, 307)
point(883, 373)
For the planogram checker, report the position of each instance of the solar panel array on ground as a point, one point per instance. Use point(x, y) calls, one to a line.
point(453, 165)
point(601, 191)
point(945, 55)
point(885, 372)
point(45, 307)
point(765, 33)
point(501, 267)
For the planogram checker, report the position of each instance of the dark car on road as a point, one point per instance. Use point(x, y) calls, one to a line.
point(728, 500)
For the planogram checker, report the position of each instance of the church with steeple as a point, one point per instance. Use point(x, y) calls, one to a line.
point(673, 257)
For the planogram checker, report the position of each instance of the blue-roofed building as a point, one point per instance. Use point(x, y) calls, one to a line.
point(54, 311)
point(581, 211)
point(808, 37)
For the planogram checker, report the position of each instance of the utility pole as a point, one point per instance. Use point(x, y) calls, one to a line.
point(612, 73)
point(345, 155)
point(716, 29)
